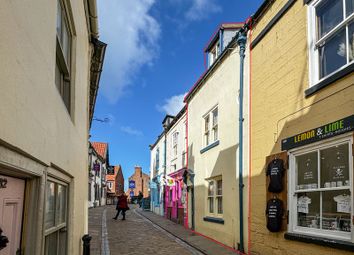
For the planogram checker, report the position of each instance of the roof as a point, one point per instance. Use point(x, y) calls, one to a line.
point(101, 148)
point(222, 26)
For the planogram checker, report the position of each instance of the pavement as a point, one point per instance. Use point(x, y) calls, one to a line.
point(144, 232)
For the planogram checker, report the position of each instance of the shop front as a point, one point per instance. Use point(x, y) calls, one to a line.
point(176, 197)
point(320, 185)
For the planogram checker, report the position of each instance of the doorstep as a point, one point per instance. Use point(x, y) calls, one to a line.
point(203, 244)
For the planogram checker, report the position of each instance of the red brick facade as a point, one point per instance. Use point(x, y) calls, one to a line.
point(119, 181)
point(141, 182)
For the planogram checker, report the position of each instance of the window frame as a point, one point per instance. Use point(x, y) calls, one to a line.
point(212, 129)
point(214, 197)
point(292, 198)
point(313, 42)
point(58, 227)
point(64, 59)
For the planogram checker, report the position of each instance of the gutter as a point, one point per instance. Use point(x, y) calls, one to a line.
point(93, 17)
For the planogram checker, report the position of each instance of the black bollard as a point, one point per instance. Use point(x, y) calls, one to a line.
point(86, 244)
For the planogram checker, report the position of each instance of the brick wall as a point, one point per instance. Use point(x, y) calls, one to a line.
point(141, 182)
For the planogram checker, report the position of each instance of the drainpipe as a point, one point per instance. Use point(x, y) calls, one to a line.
point(164, 173)
point(241, 41)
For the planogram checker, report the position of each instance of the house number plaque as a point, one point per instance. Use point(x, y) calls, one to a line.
point(3, 182)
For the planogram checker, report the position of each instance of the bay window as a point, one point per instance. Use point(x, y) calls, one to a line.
point(331, 41)
point(322, 186)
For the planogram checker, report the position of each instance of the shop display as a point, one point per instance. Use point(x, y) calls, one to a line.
point(274, 214)
point(275, 171)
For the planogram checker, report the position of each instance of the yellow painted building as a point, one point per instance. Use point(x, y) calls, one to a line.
point(301, 81)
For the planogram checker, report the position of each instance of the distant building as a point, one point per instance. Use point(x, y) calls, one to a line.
point(115, 183)
point(99, 163)
point(139, 181)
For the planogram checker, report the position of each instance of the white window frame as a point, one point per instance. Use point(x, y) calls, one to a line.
point(214, 197)
point(292, 198)
point(212, 128)
point(313, 53)
point(175, 143)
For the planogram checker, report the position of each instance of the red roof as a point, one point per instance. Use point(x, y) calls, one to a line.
point(100, 148)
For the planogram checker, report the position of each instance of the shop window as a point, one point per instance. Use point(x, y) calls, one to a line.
point(331, 41)
point(215, 203)
point(55, 218)
point(63, 55)
point(322, 186)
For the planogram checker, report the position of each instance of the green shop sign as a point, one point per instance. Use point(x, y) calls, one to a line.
point(320, 133)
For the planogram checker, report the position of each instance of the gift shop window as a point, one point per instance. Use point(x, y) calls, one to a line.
point(215, 206)
point(322, 186)
point(331, 37)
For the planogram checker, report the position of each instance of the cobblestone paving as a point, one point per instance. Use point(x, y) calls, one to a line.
point(133, 236)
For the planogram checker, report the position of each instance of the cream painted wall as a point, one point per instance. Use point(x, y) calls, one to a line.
point(280, 110)
point(221, 88)
point(174, 162)
point(33, 116)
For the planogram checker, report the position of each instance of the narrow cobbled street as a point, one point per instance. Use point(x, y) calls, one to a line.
point(136, 235)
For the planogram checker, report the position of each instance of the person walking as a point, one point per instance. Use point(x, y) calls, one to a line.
point(122, 206)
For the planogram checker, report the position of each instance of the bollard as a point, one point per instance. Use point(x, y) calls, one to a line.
point(86, 244)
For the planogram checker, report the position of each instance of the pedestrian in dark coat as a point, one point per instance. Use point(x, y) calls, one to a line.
point(122, 206)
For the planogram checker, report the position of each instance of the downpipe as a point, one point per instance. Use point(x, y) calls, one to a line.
point(241, 41)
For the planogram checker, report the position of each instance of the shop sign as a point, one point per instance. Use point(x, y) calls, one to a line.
point(131, 184)
point(320, 133)
point(110, 170)
point(170, 181)
point(153, 185)
point(3, 183)
point(96, 167)
point(131, 193)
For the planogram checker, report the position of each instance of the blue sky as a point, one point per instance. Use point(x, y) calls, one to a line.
point(154, 56)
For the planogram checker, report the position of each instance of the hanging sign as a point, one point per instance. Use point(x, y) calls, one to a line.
point(153, 185)
point(96, 167)
point(170, 181)
point(131, 194)
point(131, 184)
point(320, 133)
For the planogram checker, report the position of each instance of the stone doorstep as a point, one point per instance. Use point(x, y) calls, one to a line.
point(198, 242)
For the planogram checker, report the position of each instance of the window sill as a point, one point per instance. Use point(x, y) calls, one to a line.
point(330, 79)
point(214, 220)
point(212, 145)
point(337, 244)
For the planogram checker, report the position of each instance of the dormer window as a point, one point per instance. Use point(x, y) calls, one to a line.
point(214, 53)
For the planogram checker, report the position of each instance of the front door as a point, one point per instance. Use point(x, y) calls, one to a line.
point(11, 210)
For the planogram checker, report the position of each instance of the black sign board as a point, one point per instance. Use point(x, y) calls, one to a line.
point(320, 133)
point(110, 170)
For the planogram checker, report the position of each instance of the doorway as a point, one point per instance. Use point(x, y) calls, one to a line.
point(11, 211)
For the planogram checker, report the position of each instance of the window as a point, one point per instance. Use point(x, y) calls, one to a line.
point(55, 218)
point(157, 159)
point(322, 188)
point(63, 56)
point(110, 185)
point(215, 124)
point(215, 206)
point(211, 132)
point(214, 53)
point(331, 31)
point(174, 143)
point(206, 130)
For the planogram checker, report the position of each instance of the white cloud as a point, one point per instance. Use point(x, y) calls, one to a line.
point(201, 9)
point(131, 131)
point(132, 36)
point(172, 105)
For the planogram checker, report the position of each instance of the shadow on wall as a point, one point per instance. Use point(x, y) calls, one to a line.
point(331, 104)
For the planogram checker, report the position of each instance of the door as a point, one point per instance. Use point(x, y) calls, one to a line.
point(11, 210)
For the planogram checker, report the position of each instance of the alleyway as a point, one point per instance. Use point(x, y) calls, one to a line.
point(136, 235)
point(144, 232)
